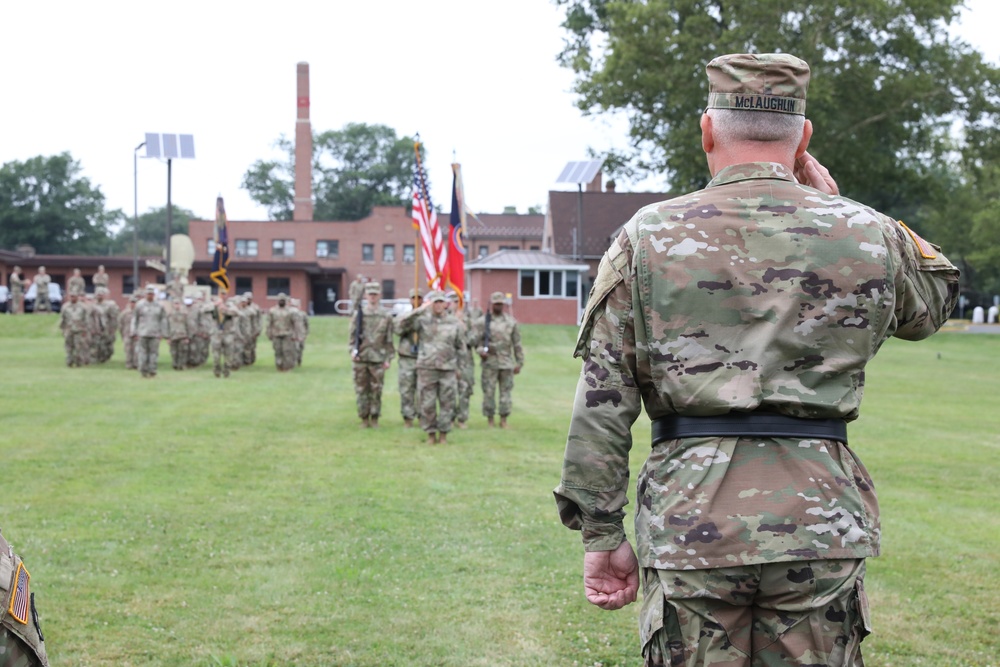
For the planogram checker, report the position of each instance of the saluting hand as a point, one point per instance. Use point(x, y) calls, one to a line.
point(809, 171)
point(611, 578)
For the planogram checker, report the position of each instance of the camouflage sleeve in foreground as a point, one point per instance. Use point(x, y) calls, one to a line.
point(927, 285)
point(592, 493)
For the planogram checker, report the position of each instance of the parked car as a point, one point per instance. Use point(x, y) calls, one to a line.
point(4, 299)
point(55, 297)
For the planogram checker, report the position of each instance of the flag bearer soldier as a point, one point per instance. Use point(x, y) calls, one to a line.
point(438, 364)
point(281, 332)
point(16, 291)
point(125, 327)
point(370, 343)
point(499, 345)
point(149, 325)
point(180, 335)
point(74, 322)
point(409, 344)
point(224, 348)
point(41, 281)
point(742, 317)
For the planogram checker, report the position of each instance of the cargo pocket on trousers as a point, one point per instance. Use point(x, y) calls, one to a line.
point(862, 624)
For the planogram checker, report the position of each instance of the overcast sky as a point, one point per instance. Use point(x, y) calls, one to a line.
point(478, 80)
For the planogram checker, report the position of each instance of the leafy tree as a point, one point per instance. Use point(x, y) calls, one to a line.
point(888, 86)
point(45, 203)
point(354, 169)
point(152, 230)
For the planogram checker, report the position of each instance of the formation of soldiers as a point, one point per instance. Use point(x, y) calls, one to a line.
point(437, 344)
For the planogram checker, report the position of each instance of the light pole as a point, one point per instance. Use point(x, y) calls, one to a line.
point(135, 220)
point(173, 145)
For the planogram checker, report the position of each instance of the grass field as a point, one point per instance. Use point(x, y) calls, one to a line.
point(249, 522)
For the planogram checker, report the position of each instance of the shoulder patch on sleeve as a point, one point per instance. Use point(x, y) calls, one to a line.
point(926, 249)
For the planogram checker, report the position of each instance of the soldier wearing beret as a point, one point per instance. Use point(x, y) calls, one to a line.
point(741, 317)
point(370, 343)
point(498, 341)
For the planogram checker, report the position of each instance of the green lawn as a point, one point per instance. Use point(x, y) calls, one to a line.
point(187, 520)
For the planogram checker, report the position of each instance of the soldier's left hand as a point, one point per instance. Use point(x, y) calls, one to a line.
point(517, 369)
point(611, 578)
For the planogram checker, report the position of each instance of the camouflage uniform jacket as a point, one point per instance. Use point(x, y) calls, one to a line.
point(100, 280)
point(505, 351)
point(301, 321)
point(225, 319)
point(42, 281)
point(149, 319)
point(74, 317)
point(442, 339)
point(106, 316)
point(76, 285)
point(280, 322)
point(177, 322)
point(125, 322)
point(17, 598)
point(756, 293)
point(376, 335)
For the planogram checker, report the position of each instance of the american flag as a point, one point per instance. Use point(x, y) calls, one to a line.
point(433, 248)
point(19, 597)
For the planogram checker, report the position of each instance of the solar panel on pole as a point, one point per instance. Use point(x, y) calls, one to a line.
point(579, 172)
point(169, 146)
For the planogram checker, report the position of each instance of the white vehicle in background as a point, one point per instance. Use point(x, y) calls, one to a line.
point(55, 297)
point(4, 299)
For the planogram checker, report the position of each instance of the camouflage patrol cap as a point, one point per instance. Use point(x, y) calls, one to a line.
point(282, 295)
point(435, 295)
point(150, 288)
point(415, 294)
point(498, 297)
point(373, 288)
point(758, 82)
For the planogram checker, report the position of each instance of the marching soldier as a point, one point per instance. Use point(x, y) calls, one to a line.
point(149, 325)
point(301, 330)
point(225, 320)
point(74, 322)
point(281, 332)
point(499, 342)
point(125, 327)
point(256, 327)
point(105, 318)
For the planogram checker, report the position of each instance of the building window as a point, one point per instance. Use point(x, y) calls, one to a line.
point(388, 254)
point(388, 289)
point(483, 251)
point(276, 286)
point(368, 252)
point(248, 247)
point(210, 247)
point(244, 284)
point(535, 247)
point(543, 283)
point(283, 248)
point(128, 285)
point(510, 247)
point(327, 248)
point(409, 256)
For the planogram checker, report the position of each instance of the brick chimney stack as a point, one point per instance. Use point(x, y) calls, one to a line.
point(303, 149)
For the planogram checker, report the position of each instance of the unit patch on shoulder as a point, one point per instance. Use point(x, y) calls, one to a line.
point(925, 248)
point(19, 595)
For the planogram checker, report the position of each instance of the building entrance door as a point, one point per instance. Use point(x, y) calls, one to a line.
point(325, 294)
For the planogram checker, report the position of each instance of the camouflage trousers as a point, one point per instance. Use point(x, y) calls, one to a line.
point(438, 391)
point(16, 300)
point(466, 382)
point(491, 378)
point(179, 353)
point(286, 352)
point(234, 361)
point(300, 347)
point(250, 351)
point(77, 345)
point(198, 350)
point(408, 387)
point(369, 378)
point(131, 354)
point(149, 354)
point(14, 652)
point(788, 614)
point(42, 304)
point(223, 347)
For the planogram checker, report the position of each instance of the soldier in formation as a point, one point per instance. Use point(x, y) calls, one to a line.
point(125, 328)
point(499, 346)
point(409, 346)
point(16, 292)
point(356, 291)
point(439, 362)
point(467, 377)
point(75, 324)
point(301, 319)
point(256, 321)
point(225, 316)
point(282, 334)
point(105, 326)
point(41, 281)
point(179, 335)
point(742, 317)
point(200, 325)
point(149, 325)
point(370, 343)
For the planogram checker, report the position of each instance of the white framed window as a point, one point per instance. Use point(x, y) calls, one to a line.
point(283, 248)
point(388, 254)
point(246, 248)
point(544, 283)
point(327, 248)
point(368, 253)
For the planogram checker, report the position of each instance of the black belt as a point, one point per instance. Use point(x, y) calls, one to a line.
point(748, 424)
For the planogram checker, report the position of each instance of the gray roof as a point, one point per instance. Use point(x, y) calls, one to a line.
point(525, 259)
point(504, 225)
